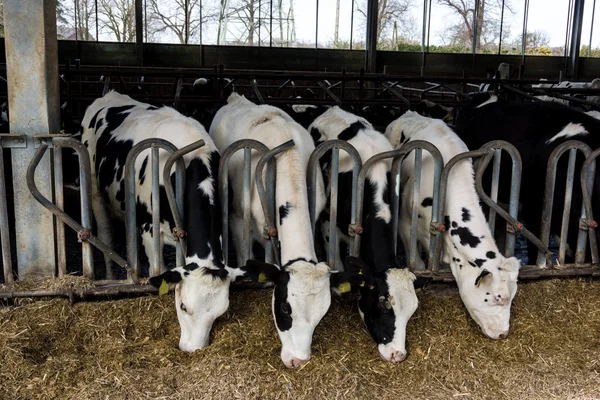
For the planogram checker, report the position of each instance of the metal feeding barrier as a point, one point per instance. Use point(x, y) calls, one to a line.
point(313, 170)
point(265, 181)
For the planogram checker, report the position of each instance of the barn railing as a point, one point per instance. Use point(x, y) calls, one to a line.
point(248, 145)
point(313, 171)
point(488, 153)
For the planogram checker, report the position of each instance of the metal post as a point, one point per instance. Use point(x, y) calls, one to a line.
point(61, 255)
point(371, 39)
point(475, 27)
point(32, 69)
point(578, 9)
point(591, 29)
point(524, 40)
point(4, 229)
point(139, 32)
point(501, 29)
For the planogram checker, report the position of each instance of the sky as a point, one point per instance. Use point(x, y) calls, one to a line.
point(548, 16)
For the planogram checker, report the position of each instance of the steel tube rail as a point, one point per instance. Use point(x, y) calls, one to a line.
point(412, 248)
point(513, 224)
point(549, 189)
point(588, 174)
point(60, 203)
point(267, 200)
point(155, 267)
point(396, 155)
point(494, 190)
point(393, 91)
point(4, 226)
point(329, 93)
point(247, 204)
point(564, 227)
point(84, 233)
point(223, 176)
point(515, 189)
point(176, 199)
point(333, 196)
point(131, 227)
point(312, 178)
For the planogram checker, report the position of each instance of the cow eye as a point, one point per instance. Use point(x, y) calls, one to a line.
point(183, 307)
point(285, 308)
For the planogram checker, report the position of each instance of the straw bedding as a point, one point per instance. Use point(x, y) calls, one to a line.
point(127, 349)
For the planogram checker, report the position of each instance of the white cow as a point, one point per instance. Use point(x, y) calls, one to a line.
point(112, 125)
point(487, 281)
point(302, 285)
point(385, 319)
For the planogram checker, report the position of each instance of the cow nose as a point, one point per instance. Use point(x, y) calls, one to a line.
point(503, 335)
point(397, 356)
point(296, 362)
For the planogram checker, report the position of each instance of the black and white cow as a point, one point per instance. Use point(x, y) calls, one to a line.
point(302, 285)
point(112, 125)
point(535, 129)
point(595, 84)
point(208, 88)
point(487, 281)
point(388, 298)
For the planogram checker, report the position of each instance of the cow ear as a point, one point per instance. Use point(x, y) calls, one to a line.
point(482, 277)
point(261, 272)
point(343, 282)
point(356, 265)
point(163, 281)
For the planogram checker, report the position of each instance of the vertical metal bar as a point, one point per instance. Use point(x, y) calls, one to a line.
point(271, 252)
point(96, 10)
point(317, 26)
point(4, 226)
point(564, 228)
point(59, 198)
point(436, 239)
point(352, 25)
point(412, 252)
point(371, 39)
point(424, 31)
point(501, 29)
point(357, 165)
point(180, 251)
point(494, 192)
point(270, 23)
point(34, 104)
point(568, 30)
point(588, 174)
point(156, 253)
point(591, 29)
point(524, 32)
point(139, 33)
point(475, 27)
point(85, 190)
point(200, 28)
point(75, 2)
point(395, 197)
point(247, 206)
point(578, 10)
point(186, 14)
point(146, 19)
point(429, 26)
point(333, 205)
point(513, 206)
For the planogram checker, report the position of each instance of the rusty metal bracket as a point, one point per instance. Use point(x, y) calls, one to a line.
point(47, 139)
point(13, 140)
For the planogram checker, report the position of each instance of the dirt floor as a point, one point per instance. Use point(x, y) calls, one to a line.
point(127, 349)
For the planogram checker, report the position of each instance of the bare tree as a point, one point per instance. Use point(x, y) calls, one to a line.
point(388, 13)
point(244, 19)
point(118, 18)
point(1, 18)
point(183, 18)
point(483, 20)
point(75, 18)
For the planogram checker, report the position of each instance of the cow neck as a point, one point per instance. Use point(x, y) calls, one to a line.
point(202, 219)
point(293, 220)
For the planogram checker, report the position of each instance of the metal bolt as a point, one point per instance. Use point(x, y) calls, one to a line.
point(359, 230)
point(272, 232)
point(519, 227)
point(84, 235)
point(441, 228)
point(179, 233)
point(593, 224)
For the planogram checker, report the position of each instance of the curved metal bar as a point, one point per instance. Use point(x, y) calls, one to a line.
point(312, 179)
point(329, 93)
point(515, 186)
point(176, 200)
point(83, 232)
point(549, 189)
point(223, 176)
point(588, 173)
point(396, 155)
point(267, 205)
point(395, 93)
point(130, 199)
point(515, 189)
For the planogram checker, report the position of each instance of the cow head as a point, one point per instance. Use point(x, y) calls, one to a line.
point(201, 296)
point(301, 298)
point(387, 301)
point(488, 293)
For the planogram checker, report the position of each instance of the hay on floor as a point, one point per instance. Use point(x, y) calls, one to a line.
point(127, 349)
